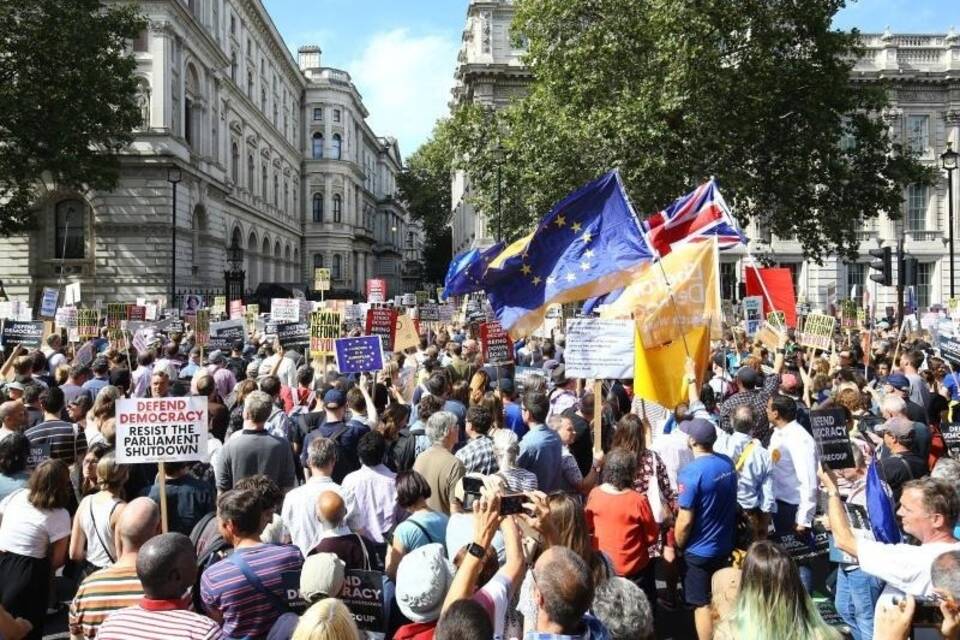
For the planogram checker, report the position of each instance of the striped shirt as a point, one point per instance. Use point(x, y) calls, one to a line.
point(246, 611)
point(55, 439)
point(102, 593)
point(158, 620)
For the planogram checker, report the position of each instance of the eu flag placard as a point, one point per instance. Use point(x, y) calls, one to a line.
point(589, 244)
point(359, 355)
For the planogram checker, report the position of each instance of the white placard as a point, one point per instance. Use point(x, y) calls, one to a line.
point(161, 429)
point(752, 314)
point(71, 295)
point(67, 317)
point(599, 349)
point(283, 310)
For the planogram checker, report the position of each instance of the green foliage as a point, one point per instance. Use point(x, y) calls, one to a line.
point(67, 98)
point(755, 93)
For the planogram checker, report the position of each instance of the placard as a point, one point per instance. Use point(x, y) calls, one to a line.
point(382, 322)
point(321, 279)
point(848, 314)
point(429, 313)
point(446, 313)
point(136, 313)
point(161, 429)
point(151, 310)
point(376, 290)
point(440, 297)
point(777, 318)
point(769, 336)
point(423, 297)
point(752, 314)
point(223, 335)
point(815, 544)
point(284, 310)
point(324, 329)
point(88, 323)
point(829, 429)
point(363, 594)
point(66, 317)
point(599, 349)
point(191, 302)
point(236, 309)
point(48, 302)
point(496, 344)
point(950, 349)
point(818, 332)
point(951, 439)
point(408, 299)
point(219, 306)
point(406, 333)
point(71, 294)
point(28, 334)
point(293, 335)
point(359, 355)
point(201, 327)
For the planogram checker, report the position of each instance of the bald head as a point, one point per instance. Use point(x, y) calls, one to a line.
point(13, 414)
point(330, 509)
point(139, 522)
point(565, 585)
point(167, 566)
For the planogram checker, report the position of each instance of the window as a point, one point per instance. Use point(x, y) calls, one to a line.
point(276, 116)
point(69, 240)
point(188, 121)
point(263, 100)
point(286, 196)
point(276, 191)
point(856, 277)
point(917, 207)
point(410, 240)
point(263, 182)
point(318, 207)
point(318, 114)
point(336, 115)
point(233, 66)
point(924, 280)
point(337, 208)
point(233, 25)
point(336, 146)
point(142, 42)
point(317, 146)
point(250, 84)
point(318, 261)
point(728, 280)
point(234, 162)
point(337, 271)
point(918, 133)
point(250, 172)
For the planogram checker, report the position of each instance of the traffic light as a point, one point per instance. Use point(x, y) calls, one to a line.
point(883, 264)
point(910, 275)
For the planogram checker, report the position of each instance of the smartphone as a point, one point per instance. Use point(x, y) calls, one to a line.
point(512, 504)
point(471, 492)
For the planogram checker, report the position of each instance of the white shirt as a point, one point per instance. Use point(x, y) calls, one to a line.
point(141, 381)
point(29, 531)
point(374, 492)
point(287, 371)
point(299, 513)
point(794, 455)
point(674, 450)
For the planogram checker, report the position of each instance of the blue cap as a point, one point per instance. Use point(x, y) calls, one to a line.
point(898, 381)
point(334, 399)
point(702, 431)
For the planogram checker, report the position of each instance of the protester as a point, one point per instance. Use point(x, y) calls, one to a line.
point(373, 488)
point(623, 608)
point(902, 464)
point(506, 450)
point(92, 540)
point(423, 526)
point(328, 619)
point(188, 499)
point(337, 538)
point(53, 437)
point(14, 451)
point(563, 592)
point(540, 449)
point(438, 466)
point(477, 454)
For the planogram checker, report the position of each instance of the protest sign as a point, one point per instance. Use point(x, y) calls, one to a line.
point(136, 313)
point(116, 314)
point(324, 329)
point(151, 310)
point(406, 334)
point(422, 297)
point(191, 302)
point(440, 297)
point(48, 302)
point(359, 355)
point(524, 376)
point(66, 317)
point(777, 319)
point(848, 314)
point(769, 336)
point(951, 439)
point(382, 322)
point(408, 300)
point(285, 310)
point(752, 316)
point(829, 428)
point(219, 306)
point(818, 332)
point(71, 294)
point(236, 309)
point(28, 334)
point(201, 327)
point(429, 313)
point(363, 594)
point(85, 354)
point(224, 334)
point(353, 316)
point(25, 313)
point(446, 313)
point(376, 290)
point(254, 309)
point(496, 344)
point(321, 279)
point(161, 429)
point(599, 349)
point(813, 544)
point(293, 334)
point(88, 323)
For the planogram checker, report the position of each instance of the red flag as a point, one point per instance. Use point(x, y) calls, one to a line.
point(779, 284)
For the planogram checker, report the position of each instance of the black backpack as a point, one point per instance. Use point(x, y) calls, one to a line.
point(211, 548)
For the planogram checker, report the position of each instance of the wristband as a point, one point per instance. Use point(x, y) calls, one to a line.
point(476, 550)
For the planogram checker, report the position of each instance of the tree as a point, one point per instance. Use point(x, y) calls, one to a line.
point(425, 187)
point(755, 93)
point(68, 98)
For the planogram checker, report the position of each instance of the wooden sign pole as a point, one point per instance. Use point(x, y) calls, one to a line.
point(163, 497)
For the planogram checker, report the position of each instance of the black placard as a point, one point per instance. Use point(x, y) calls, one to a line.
point(814, 544)
point(294, 334)
point(829, 428)
point(951, 438)
point(363, 594)
point(950, 349)
point(29, 334)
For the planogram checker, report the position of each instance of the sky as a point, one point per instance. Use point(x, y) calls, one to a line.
point(402, 54)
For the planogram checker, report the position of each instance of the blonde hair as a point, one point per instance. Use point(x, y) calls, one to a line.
point(328, 619)
point(110, 475)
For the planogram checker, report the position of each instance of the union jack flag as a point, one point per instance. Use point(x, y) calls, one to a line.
point(695, 217)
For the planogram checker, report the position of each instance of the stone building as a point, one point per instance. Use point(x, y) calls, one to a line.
point(924, 114)
point(227, 108)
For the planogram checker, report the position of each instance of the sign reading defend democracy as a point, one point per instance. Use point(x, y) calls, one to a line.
point(28, 334)
point(951, 439)
point(496, 343)
point(359, 355)
point(597, 348)
point(161, 429)
point(363, 594)
point(829, 428)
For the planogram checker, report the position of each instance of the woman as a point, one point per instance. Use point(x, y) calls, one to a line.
point(93, 540)
point(328, 619)
point(241, 391)
point(506, 448)
point(104, 408)
point(400, 451)
point(424, 526)
point(492, 402)
point(14, 451)
point(34, 534)
point(772, 602)
point(621, 522)
point(478, 386)
point(84, 479)
point(631, 435)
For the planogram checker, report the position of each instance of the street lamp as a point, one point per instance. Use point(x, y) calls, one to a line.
point(498, 156)
point(948, 160)
point(174, 176)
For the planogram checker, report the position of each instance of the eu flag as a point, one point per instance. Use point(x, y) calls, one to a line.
point(589, 244)
point(883, 520)
point(467, 269)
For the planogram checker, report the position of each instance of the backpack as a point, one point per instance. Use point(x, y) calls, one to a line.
point(211, 548)
point(347, 460)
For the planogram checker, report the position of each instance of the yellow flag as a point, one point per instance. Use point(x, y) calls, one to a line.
point(659, 371)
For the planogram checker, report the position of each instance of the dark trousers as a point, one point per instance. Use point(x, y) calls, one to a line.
point(646, 580)
point(785, 522)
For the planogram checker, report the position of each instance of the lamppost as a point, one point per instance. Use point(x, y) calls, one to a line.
point(498, 156)
point(174, 176)
point(948, 160)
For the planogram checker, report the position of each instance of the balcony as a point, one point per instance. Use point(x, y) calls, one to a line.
point(866, 234)
point(923, 235)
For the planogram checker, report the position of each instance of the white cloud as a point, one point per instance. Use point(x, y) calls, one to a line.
point(405, 80)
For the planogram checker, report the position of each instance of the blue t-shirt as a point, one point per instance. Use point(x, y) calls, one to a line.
point(413, 537)
point(513, 419)
point(708, 487)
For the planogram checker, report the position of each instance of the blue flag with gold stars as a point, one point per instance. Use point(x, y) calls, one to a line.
point(591, 243)
point(359, 355)
point(466, 270)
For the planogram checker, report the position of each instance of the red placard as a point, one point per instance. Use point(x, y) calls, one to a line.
point(376, 290)
point(236, 309)
point(496, 344)
point(382, 322)
point(136, 313)
point(779, 284)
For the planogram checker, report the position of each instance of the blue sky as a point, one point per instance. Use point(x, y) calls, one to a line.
point(402, 53)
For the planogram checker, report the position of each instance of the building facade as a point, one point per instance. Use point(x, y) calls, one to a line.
point(924, 115)
point(226, 107)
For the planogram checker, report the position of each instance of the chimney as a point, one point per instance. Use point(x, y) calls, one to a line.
point(309, 57)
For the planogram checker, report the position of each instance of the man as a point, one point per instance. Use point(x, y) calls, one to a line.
point(236, 363)
point(167, 568)
point(246, 591)
point(910, 363)
point(928, 510)
point(563, 592)
point(564, 394)
point(374, 489)
point(73, 387)
point(278, 423)
point(160, 384)
point(170, 361)
point(31, 402)
point(477, 455)
point(278, 364)
point(512, 414)
point(902, 464)
point(298, 513)
point(142, 374)
point(188, 499)
point(898, 385)
point(54, 438)
point(754, 468)
point(580, 418)
point(439, 467)
point(794, 455)
point(117, 586)
point(540, 449)
point(53, 351)
point(193, 365)
point(336, 537)
point(345, 436)
point(896, 404)
point(460, 369)
point(222, 376)
point(13, 416)
point(253, 451)
point(707, 518)
point(100, 379)
point(754, 390)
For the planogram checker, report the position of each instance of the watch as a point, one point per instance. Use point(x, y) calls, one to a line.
point(476, 550)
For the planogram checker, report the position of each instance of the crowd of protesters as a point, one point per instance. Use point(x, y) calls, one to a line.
point(475, 496)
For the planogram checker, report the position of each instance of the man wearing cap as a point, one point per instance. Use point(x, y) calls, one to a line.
point(754, 390)
point(564, 394)
point(902, 464)
point(895, 405)
point(899, 385)
point(322, 576)
point(346, 436)
point(910, 363)
point(706, 523)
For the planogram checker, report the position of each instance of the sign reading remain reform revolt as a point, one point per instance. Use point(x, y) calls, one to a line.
point(161, 429)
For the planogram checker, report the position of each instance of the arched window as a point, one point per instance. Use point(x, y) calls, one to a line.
point(318, 207)
point(318, 261)
point(336, 146)
point(337, 208)
point(70, 243)
point(234, 162)
point(337, 271)
point(317, 146)
point(250, 170)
